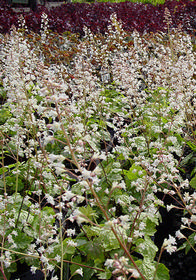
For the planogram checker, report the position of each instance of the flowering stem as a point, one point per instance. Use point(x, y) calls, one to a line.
point(62, 251)
point(3, 273)
point(97, 198)
point(161, 252)
point(114, 231)
point(3, 169)
point(37, 256)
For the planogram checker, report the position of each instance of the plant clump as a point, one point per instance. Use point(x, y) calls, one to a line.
point(88, 141)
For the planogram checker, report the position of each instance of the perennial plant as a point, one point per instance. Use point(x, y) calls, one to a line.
point(87, 144)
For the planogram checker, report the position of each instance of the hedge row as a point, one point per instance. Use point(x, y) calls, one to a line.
point(96, 16)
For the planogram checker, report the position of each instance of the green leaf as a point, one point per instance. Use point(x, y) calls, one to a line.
point(88, 212)
point(91, 231)
point(104, 275)
point(94, 251)
point(108, 240)
point(41, 223)
point(4, 115)
point(11, 183)
point(12, 268)
point(186, 159)
point(193, 182)
point(68, 250)
point(193, 172)
point(150, 228)
point(187, 244)
point(147, 248)
point(148, 269)
point(22, 240)
point(133, 172)
point(74, 267)
point(191, 145)
point(162, 272)
point(3, 170)
point(88, 272)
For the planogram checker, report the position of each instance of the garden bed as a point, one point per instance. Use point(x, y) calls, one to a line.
point(98, 151)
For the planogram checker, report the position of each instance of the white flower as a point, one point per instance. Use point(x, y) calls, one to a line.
point(129, 239)
point(109, 263)
point(72, 243)
point(7, 263)
point(169, 243)
point(79, 271)
point(185, 221)
point(171, 249)
point(86, 174)
point(58, 258)
point(71, 232)
point(124, 221)
point(169, 207)
point(54, 278)
point(50, 267)
point(49, 198)
point(8, 254)
point(67, 196)
point(179, 235)
point(135, 273)
point(59, 170)
point(59, 215)
point(44, 259)
point(33, 269)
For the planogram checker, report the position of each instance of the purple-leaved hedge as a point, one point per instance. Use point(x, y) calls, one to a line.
point(96, 16)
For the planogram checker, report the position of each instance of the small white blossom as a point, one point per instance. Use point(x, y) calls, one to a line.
point(50, 267)
point(179, 235)
point(169, 243)
point(49, 199)
point(72, 243)
point(54, 278)
point(109, 263)
point(135, 274)
point(71, 232)
point(7, 263)
point(169, 207)
point(33, 269)
point(79, 271)
point(57, 258)
point(86, 174)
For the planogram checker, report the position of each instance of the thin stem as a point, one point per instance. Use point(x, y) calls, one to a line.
point(157, 264)
point(38, 257)
point(3, 273)
point(61, 240)
point(3, 169)
point(123, 246)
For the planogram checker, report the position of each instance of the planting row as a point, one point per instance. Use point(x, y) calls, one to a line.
point(96, 16)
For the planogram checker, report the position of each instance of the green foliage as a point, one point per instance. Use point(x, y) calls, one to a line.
point(86, 159)
point(133, 172)
point(193, 182)
point(147, 248)
point(188, 244)
point(4, 115)
point(149, 269)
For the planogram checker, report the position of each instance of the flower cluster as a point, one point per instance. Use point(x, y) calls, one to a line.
point(88, 143)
